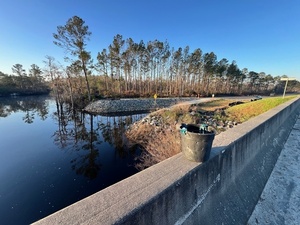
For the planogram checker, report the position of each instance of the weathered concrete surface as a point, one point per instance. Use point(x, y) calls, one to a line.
point(244, 166)
point(223, 190)
point(279, 204)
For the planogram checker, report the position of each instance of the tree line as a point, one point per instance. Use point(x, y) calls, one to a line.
point(22, 83)
point(137, 69)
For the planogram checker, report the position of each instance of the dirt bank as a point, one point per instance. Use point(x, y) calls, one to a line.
point(159, 135)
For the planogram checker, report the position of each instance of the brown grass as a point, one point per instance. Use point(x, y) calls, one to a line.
point(163, 141)
point(160, 142)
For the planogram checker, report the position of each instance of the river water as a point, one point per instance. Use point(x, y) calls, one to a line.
point(51, 157)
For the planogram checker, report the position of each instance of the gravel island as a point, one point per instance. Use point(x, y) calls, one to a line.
point(119, 106)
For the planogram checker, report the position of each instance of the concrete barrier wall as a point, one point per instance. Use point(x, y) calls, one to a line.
point(223, 190)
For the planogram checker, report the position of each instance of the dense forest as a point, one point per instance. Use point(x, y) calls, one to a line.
point(135, 69)
point(21, 83)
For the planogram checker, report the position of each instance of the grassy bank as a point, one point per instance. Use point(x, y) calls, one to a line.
point(245, 112)
point(159, 135)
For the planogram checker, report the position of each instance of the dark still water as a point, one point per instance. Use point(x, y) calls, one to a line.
point(51, 158)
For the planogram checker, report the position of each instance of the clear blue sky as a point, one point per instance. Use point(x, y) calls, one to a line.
point(261, 35)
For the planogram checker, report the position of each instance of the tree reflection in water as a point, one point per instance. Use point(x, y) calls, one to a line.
point(85, 134)
point(52, 156)
point(113, 133)
point(31, 105)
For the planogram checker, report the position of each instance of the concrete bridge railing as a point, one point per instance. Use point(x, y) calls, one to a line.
point(223, 190)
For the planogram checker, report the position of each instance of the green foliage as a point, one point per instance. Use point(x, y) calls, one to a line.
point(126, 68)
point(72, 37)
point(169, 115)
point(22, 84)
point(244, 112)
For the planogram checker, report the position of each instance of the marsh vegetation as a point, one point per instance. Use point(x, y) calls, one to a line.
point(158, 133)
